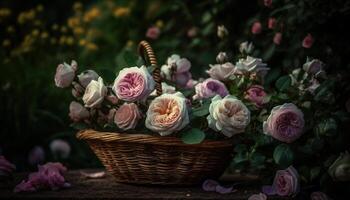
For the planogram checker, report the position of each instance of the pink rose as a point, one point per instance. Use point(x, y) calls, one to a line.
point(127, 116)
point(153, 32)
point(308, 41)
point(65, 74)
point(286, 183)
point(112, 99)
point(319, 196)
point(191, 83)
point(271, 23)
point(285, 123)
point(77, 90)
point(256, 94)
point(49, 176)
point(260, 196)
point(167, 114)
point(78, 112)
point(277, 38)
point(133, 84)
point(221, 72)
point(268, 3)
point(6, 168)
point(87, 76)
point(256, 28)
point(36, 155)
point(192, 32)
point(209, 88)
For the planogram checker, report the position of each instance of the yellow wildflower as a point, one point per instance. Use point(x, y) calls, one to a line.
point(26, 16)
point(82, 42)
point(64, 29)
point(159, 23)
point(35, 32)
point(4, 12)
point(10, 29)
point(77, 6)
point(121, 11)
point(62, 40)
point(92, 14)
point(44, 35)
point(39, 8)
point(6, 43)
point(70, 40)
point(73, 21)
point(91, 46)
point(129, 43)
point(78, 30)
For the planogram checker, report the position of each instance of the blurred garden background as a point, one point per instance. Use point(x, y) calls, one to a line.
point(36, 36)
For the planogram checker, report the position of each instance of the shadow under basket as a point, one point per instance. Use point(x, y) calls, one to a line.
point(146, 159)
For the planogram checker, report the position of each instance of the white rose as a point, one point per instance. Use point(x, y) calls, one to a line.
point(246, 47)
point(252, 65)
point(94, 93)
point(167, 114)
point(65, 74)
point(228, 115)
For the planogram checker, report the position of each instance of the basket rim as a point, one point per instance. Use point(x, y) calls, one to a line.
point(90, 134)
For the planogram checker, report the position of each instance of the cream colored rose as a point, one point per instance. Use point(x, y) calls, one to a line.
point(167, 114)
point(228, 115)
point(95, 93)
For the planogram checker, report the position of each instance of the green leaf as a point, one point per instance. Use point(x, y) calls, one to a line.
point(203, 110)
point(327, 127)
point(193, 136)
point(314, 172)
point(79, 126)
point(283, 155)
point(283, 83)
point(257, 160)
point(239, 148)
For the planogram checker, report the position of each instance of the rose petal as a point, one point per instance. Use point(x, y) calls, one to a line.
point(223, 190)
point(209, 185)
point(101, 174)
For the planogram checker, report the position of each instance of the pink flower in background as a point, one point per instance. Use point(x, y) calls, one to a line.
point(221, 72)
point(133, 84)
point(271, 23)
point(6, 168)
point(268, 3)
point(78, 112)
point(60, 148)
point(167, 113)
point(260, 196)
point(285, 123)
point(319, 196)
point(256, 28)
point(308, 41)
point(65, 74)
point(277, 38)
point(192, 32)
point(257, 95)
point(49, 176)
point(127, 116)
point(209, 88)
point(36, 156)
point(153, 32)
point(286, 183)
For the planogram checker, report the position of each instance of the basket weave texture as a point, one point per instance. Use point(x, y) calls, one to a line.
point(146, 159)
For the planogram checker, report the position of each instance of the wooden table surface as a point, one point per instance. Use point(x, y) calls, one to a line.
point(107, 188)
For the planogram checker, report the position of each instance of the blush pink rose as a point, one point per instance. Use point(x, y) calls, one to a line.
point(127, 116)
point(167, 114)
point(260, 196)
point(177, 70)
point(285, 123)
point(271, 23)
point(78, 112)
point(153, 32)
point(209, 88)
point(257, 95)
point(256, 28)
point(86, 77)
point(268, 3)
point(286, 183)
point(277, 38)
point(65, 74)
point(221, 72)
point(308, 41)
point(133, 84)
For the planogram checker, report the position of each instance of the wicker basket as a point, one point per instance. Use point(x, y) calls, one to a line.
point(146, 159)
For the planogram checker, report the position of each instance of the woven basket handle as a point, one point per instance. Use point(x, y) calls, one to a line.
point(146, 52)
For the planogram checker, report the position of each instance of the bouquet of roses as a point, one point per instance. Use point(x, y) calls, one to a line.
point(273, 126)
